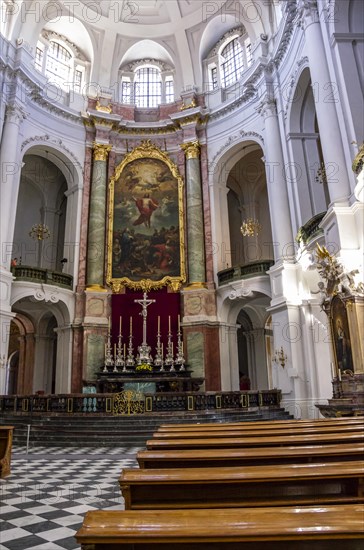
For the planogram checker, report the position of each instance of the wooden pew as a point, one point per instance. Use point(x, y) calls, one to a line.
point(241, 486)
point(313, 528)
point(246, 441)
point(262, 425)
point(6, 440)
point(198, 458)
point(257, 433)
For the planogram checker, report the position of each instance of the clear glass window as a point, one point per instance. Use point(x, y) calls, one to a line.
point(126, 91)
point(58, 66)
point(233, 62)
point(147, 87)
point(38, 61)
point(169, 91)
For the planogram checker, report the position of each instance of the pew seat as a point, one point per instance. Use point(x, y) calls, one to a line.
point(238, 432)
point(197, 458)
point(6, 441)
point(261, 424)
point(303, 528)
point(236, 486)
point(246, 441)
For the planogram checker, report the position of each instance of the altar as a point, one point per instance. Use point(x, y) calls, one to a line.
point(148, 383)
point(164, 371)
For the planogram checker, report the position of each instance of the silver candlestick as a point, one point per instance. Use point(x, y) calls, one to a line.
point(119, 360)
point(180, 359)
point(169, 355)
point(158, 360)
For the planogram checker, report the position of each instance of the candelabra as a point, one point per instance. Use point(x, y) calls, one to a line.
point(280, 357)
point(250, 227)
point(39, 231)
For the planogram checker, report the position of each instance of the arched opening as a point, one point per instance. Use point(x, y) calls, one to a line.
point(247, 200)
point(39, 234)
point(308, 174)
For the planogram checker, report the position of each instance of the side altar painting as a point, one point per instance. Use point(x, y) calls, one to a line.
point(146, 234)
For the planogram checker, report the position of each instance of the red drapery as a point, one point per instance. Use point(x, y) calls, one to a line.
point(166, 305)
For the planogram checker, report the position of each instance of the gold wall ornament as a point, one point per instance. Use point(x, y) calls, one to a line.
point(250, 227)
point(101, 151)
point(146, 170)
point(191, 149)
point(103, 108)
point(190, 105)
point(39, 232)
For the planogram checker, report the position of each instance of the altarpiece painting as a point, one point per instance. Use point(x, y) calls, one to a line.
point(146, 233)
point(341, 335)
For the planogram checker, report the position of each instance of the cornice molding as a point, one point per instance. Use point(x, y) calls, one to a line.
point(49, 140)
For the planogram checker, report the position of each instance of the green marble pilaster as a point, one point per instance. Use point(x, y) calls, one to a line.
point(195, 224)
point(97, 219)
point(195, 350)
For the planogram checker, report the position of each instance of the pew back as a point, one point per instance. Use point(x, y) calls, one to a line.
point(186, 458)
point(237, 432)
point(266, 441)
point(338, 482)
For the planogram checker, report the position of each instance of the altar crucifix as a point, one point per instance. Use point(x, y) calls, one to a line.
point(144, 349)
point(144, 303)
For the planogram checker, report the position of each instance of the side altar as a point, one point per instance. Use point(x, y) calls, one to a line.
point(165, 372)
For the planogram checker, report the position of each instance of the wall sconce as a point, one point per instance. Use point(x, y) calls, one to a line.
point(321, 176)
point(250, 227)
point(280, 357)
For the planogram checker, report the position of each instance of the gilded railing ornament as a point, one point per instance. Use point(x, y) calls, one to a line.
point(128, 402)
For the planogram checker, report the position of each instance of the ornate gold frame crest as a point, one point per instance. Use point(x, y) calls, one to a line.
point(145, 151)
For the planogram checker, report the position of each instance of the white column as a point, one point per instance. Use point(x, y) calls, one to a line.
point(10, 168)
point(5, 320)
point(71, 249)
point(276, 183)
point(64, 359)
point(325, 98)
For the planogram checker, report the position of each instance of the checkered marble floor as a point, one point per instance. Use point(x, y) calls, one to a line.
point(44, 500)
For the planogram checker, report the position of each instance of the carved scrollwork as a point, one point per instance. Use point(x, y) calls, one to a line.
point(128, 402)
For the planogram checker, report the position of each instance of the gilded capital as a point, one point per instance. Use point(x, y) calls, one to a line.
point(101, 151)
point(191, 149)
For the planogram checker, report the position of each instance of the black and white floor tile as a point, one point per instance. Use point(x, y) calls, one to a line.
point(44, 500)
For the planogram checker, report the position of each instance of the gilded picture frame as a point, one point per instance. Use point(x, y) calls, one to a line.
point(340, 335)
point(146, 222)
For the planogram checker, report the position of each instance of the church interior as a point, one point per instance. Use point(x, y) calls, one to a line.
point(182, 213)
